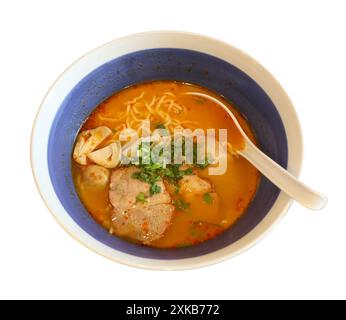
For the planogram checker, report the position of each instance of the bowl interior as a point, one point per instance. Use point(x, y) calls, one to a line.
point(165, 64)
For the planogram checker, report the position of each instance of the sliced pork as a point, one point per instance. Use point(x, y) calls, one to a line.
point(143, 221)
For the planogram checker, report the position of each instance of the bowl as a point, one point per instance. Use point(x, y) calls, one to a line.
point(155, 56)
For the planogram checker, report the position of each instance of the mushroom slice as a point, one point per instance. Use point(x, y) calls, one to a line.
point(108, 157)
point(87, 141)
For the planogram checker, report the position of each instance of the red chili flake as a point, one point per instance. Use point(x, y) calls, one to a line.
point(239, 204)
point(145, 226)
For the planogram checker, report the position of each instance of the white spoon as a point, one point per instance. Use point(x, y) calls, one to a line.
point(289, 184)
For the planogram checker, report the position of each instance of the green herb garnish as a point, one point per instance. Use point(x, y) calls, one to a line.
point(181, 205)
point(194, 156)
point(141, 197)
point(150, 176)
point(202, 165)
point(154, 172)
point(207, 198)
point(160, 126)
point(177, 189)
point(155, 188)
point(188, 171)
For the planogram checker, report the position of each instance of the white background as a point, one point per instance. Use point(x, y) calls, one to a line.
point(301, 42)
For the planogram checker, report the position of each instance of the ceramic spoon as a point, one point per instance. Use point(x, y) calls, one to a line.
point(289, 184)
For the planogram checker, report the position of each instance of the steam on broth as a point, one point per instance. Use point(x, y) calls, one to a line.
point(158, 204)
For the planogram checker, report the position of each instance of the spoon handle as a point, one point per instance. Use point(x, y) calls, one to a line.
point(283, 179)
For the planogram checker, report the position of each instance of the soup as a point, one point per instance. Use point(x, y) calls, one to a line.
point(160, 203)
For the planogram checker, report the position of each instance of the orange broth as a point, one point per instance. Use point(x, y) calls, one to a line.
point(203, 219)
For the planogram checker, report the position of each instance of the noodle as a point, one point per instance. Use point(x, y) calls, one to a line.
point(164, 108)
point(112, 119)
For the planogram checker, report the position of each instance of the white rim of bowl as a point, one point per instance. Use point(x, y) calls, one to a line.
point(148, 40)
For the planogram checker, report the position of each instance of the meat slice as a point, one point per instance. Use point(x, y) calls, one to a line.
point(144, 224)
point(193, 184)
point(124, 190)
point(140, 221)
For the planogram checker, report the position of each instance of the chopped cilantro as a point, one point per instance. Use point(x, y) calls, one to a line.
point(155, 188)
point(154, 172)
point(188, 171)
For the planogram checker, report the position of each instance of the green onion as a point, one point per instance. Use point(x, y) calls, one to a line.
point(177, 189)
point(181, 205)
point(207, 198)
point(160, 126)
point(141, 197)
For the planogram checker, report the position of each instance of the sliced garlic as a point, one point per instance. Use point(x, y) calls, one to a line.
point(87, 141)
point(108, 157)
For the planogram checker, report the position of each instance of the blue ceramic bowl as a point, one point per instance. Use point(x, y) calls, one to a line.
point(161, 56)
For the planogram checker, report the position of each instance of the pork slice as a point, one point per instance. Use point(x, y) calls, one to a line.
point(144, 224)
point(124, 190)
point(141, 221)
